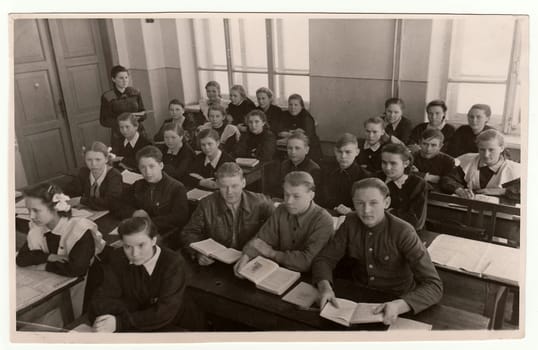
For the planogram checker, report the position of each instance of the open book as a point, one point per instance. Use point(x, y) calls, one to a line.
point(268, 276)
point(349, 312)
point(405, 324)
point(247, 162)
point(338, 221)
point(479, 258)
point(303, 295)
point(213, 249)
point(486, 198)
point(129, 177)
point(196, 194)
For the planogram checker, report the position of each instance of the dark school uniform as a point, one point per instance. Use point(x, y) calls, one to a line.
point(389, 257)
point(305, 121)
point(337, 183)
point(142, 298)
point(231, 137)
point(188, 125)
point(206, 171)
point(274, 115)
point(440, 165)
point(416, 134)
point(177, 165)
point(403, 130)
point(238, 112)
point(261, 146)
point(408, 199)
point(128, 152)
point(369, 157)
point(307, 165)
point(464, 141)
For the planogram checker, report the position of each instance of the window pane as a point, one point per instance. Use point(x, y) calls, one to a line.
point(481, 47)
point(290, 44)
point(460, 97)
point(248, 44)
point(251, 82)
point(220, 77)
point(210, 44)
point(286, 85)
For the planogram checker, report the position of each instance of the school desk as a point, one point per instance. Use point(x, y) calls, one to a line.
point(218, 292)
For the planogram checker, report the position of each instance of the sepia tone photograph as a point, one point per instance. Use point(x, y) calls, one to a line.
point(187, 177)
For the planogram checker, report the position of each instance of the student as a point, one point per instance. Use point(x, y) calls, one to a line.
point(396, 124)
point(408, 192)
point(298, 147)
point(297, 117)
point(337, 181)
point(239, 106)
point(487, 172)
point(464, 139)
point(177, 155)
point(436, 111)
point(296, 231)
point(176, 110)
point(120, 99)
point(65, 244)
point(99, 185)
point(272, 112)
point(205, 164)
point(229, 134)
point(230, 216)
point(131, 143)
point(370, 147)
point(157, 196)
point(386, 252)
point(212, 90)
point(429, 162)
point(144, 284)
point(259, 142)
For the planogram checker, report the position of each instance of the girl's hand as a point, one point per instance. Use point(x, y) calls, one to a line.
point(56, 257)
point(464, 193)
point(342, 209)
point(105, 324)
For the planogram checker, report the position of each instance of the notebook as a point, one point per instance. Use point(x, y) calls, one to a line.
point(349, 312)
point(213, 249)
point(196, 194)
point(303, 295)
point(129, 177)
point(247, 162)
point(268, 275)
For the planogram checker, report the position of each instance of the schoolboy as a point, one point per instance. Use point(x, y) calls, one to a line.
point(370, 147)
point(429, 161)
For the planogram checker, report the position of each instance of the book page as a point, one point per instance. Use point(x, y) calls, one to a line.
point(341, 314)
point(364, 313)
point(21, 203)
point(503, 264)
point(207, 246)
point(459, 253)
point(227, 255)
point(196, 194)
point(130, 177)
point(303, 295)
point(247, 162)
point(279, 281)
point(338, 221)
point(81, 213)
point(405, 324)
point(83, 328)
point(258, 268)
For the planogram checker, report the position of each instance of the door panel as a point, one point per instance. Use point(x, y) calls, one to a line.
point(35, 96)
point(45, 145)
point(27, 34)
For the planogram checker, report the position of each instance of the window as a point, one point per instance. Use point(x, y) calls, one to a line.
point(254, 52)
point(485, 68)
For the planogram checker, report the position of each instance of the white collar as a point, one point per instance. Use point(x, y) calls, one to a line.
point(100, 178)
point(215, 160)
point(372, 147)
point(400, 181)
point(133, 141)
point(494, 167)
point(61, 227)
point(150, 264)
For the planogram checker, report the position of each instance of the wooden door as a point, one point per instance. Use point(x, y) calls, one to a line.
point(40, 125)
point(83, 77)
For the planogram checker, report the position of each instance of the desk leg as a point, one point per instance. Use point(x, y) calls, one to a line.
point(66, 308)
point(495, 305)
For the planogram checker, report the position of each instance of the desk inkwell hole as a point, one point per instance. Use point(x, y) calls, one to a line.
point(218, 283)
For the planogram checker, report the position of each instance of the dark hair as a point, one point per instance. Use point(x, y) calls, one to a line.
point(149, 151)
point(402, 150)
point(216, 107)
point(300, 178)
point(265, 90)
point(370, 182)
point(431, 133)
point(209, 132)
point(137, 224)
point(299, 135)
point(374, 120)
point(214, 84)
point(484, 107)
point(175, 101)
point(346, 139)
point(437, 103)
point(395, 101)
point(229, 169)
point(118, 69)
point(241, 90)
point(126, 116)
point(296, 97)
point(45, 192)
point(175, 127)
point(256, 112)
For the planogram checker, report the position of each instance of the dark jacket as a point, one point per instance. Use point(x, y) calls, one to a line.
point(261, 146)
point(178, 165)
point(403, 130)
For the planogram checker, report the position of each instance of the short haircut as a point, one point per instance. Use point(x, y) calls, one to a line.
point(208, 132)
point(490, 134)
point(484, 107)
point(395, 101)
point(126, 116)
point(216, 107)
point(346, 139)
point(298, 98)
point(137, 224)
point(437, 103)
point(375, 120)
point(240, 89)
point(257, 113)
point(97, 146)
point(299, 135)
point(45, 192)
point(117, 70)
point(300, 178)
point(175, 101)
point(175, 127)
point(370, 182)
point(431, 133)
point(265, 90)
point(229, 169)
point(398, 148)
point(149, 151)
point(214, 84)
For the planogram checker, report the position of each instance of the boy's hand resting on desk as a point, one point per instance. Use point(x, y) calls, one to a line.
point(326, 294)
point(464, 193)
point(392, 309)
point(263, 248)
point(204, 260)
point(105, 324)
point(342, 209)
point(56, 257)
point(492, 191)
point(208, 183)
point(243, 260)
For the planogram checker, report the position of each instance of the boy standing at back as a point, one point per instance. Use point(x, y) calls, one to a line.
point(429, 161)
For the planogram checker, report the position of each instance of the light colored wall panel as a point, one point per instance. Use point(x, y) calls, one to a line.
point(414, 95)
point(416, 35)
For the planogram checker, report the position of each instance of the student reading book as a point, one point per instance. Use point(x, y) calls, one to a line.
point(349, 312)
point(268, 276)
